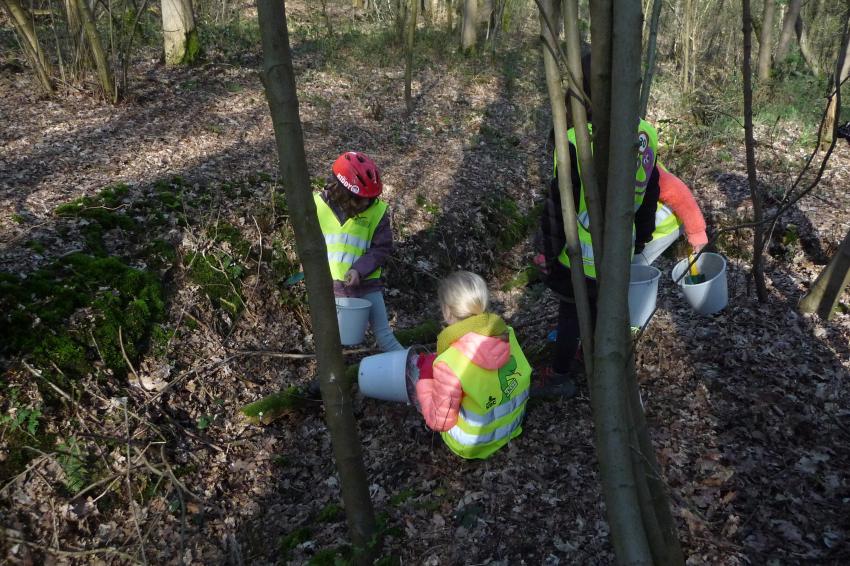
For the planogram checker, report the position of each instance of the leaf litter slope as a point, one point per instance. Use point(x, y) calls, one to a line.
point(748, 408)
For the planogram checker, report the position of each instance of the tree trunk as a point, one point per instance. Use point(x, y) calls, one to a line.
point(30, 44)
point(600, 86)
point(612, 344)
point(549, 24)
point(578, 112)
point(650, 57)
point(657, 513)
point(766, 39)
point(833, 109)
point(104, 73)
point(450, 11)
point(787, 33)
point(469, 36)
point(805, 47)
point(279, 81)
point(825, 292)
point(179, 35)
point(755, 190)
point(686, 44)
point(408, 62)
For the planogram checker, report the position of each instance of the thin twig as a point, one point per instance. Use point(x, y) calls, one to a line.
point(127, 360)
point(74, 553)
point(130, 499)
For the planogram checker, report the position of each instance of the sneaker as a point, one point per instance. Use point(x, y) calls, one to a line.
point(549, 383)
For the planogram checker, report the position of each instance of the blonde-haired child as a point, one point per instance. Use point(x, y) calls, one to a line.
point(477, 396)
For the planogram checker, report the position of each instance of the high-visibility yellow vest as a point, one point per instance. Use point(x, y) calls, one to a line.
point(666, 222)
point(347, 242)
point(493, 402)
point(647, 151)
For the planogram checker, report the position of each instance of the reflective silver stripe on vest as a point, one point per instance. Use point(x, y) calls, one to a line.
point(342, 257)
point(584, 220)
point(497, 413)
point(468, 439)
point(587, 252)
point(346, 240)
point(662, 213)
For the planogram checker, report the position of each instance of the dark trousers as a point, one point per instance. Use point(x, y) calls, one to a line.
point(566, 345)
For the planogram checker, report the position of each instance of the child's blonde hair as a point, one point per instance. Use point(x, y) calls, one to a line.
point(463, 294)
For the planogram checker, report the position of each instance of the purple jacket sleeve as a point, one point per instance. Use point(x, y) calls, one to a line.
point(380, 248)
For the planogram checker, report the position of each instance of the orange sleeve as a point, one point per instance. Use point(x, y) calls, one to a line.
point(440, 398)
point(676, 194)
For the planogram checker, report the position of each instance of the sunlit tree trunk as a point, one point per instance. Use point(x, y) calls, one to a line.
point(179, 35)
point(646, 84)
point(825, 292)
point(104, 73)
point(408, 64)
point(787, 33)
point(469, 27)
point(805, 46)
point(687, 44)
point(766, 39)
point(279, 81)
point(30, 44)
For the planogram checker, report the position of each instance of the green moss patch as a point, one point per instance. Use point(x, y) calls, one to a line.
point(70, 313)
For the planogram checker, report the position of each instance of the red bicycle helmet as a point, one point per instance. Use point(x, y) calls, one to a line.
point(359, 174)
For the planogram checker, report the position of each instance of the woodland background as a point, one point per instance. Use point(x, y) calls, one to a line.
point(149, 289)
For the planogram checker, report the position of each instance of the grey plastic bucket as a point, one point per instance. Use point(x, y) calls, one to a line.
point(643, 292)
point(710, 296)
point(352, 315)
point(384, 376)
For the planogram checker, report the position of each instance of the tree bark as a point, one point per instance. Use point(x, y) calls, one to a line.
point(579, 114)
point(600, 86)
point(787, 33)
point(649, 70)
point(755, 190)
point(450, 11)
point(766, 39)
point(549, 24)
point(30, 44)
point(805, 47)
point(104, 73)
point(687, 44)
point(668, 550)
point(825, 292)
point(842, 71)
point(469, 36)
point(279, 81)
point(612, 346)
point(408, 60)
point(179, 35)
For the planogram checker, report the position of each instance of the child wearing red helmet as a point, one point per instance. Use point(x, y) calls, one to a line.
point(358, 236)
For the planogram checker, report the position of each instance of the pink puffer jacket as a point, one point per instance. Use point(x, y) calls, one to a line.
point(440, 397)
point(678, 197)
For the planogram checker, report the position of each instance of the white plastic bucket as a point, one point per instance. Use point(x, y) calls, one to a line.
point(352, 314)
point(384, 376)
point(710, 296)
point(643, 292)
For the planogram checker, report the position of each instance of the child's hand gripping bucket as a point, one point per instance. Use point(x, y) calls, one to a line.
point(643, 292)
point(710, 296)
point(353, 316)
point(385, 376)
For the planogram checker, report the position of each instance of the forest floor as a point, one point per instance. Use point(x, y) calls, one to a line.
point(749, 408)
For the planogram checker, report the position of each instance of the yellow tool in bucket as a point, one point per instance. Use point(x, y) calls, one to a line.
point(694, 277)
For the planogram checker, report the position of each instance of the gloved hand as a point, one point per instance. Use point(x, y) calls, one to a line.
point(425, 363)
point(352, 278)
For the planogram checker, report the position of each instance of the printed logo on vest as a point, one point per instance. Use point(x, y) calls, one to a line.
point(507, 383)
point(490, 402)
